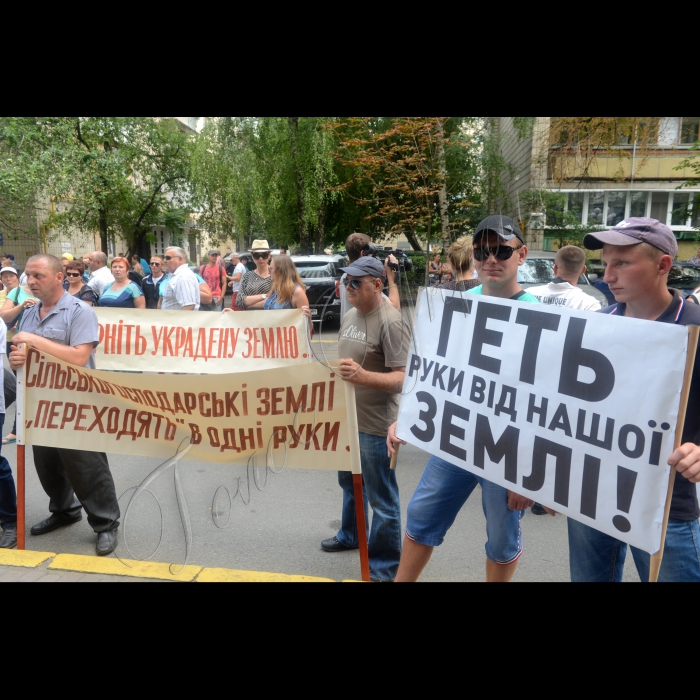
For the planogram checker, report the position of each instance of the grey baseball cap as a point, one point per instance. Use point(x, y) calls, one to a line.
point(502, 226)
point(364, 267)
point(633, 232)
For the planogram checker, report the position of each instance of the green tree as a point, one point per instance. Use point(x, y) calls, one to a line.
point(115, 175)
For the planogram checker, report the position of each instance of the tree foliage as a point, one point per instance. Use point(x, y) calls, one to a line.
point(416, 175)
point(116, 175)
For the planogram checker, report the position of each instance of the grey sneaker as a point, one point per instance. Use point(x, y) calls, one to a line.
point(9, 539)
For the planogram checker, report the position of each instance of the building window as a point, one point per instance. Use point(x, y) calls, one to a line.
point(659, 206)
point(617, 206)
point(690, 130)
point(638, 204)
point(576, 200)
point(596, 207)
point(681, 209)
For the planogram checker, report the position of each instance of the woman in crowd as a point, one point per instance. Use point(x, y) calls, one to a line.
point(18, 300)
point(76, 284)
point(122, 293)
point(447, 271)
point(460, 257)
point(256, 286)
point(435, 269)
point(288, 291)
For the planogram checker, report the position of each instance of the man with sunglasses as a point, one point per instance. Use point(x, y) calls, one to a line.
point(374, 341)
point(152, 283)
point(499, 252)
point(182, 292)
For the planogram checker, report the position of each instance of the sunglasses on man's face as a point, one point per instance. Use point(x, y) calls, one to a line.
point(261, 256)
point(168, 258)
point(501, 253)
point(155, 264)
point(353, 284)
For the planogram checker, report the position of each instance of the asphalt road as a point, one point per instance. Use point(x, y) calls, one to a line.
point(276, 522)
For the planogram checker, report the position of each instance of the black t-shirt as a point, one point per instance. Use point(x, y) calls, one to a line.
point(685, 495)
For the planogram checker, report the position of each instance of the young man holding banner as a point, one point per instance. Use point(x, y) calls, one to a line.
point(499, 252)
point(67, 329)
point(639, 255)
point(374, 341)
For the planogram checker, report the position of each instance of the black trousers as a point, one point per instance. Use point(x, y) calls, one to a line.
point(65, 474)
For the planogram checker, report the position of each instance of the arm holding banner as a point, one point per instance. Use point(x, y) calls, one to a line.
point(78, 355)
point(389, 383)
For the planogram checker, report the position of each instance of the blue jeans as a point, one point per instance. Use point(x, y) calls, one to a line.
point(599, 558)
point(382, 491)
point(441, 495)
point(8, 493)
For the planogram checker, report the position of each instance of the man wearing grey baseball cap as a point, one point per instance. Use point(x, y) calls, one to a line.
point(373, 348)
point(639, 254)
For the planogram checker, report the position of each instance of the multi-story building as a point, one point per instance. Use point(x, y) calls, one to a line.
point(605, 187)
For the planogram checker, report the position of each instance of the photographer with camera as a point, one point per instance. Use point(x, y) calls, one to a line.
point(359, 246)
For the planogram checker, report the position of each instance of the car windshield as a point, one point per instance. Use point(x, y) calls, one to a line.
point(684, 277)
point(315, 270)
point(538, 271)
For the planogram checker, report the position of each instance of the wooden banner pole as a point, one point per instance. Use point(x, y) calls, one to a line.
point(361, 525)
point(21, 509)
point(657, 559)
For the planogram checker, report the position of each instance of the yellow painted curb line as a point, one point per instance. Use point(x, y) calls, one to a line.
point(131, 569)
point(24, 560)
point(232, 576)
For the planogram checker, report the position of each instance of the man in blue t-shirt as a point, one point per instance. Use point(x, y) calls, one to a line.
point(499, 252)
point(639, 254)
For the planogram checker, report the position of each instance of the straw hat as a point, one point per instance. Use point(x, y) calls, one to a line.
point(260, 247)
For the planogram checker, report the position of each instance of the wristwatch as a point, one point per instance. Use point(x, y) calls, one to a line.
point(264, 296)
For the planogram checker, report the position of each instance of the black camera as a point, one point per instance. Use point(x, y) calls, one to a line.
point(403, 262)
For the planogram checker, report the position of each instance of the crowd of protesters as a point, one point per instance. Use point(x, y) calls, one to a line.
point(50, 307)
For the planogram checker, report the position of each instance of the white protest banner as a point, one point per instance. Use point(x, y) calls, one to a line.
point(200, 343)
point(305, 419)
point(575, 411)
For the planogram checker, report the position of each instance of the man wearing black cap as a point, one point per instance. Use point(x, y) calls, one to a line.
point(499, 252)
point(639, 254)
point(374, 341)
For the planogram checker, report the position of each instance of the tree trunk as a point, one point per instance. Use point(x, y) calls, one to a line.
point(321, 230)
point(414, 240)
point(442, 195)
point(304, 239)
point(104, 243)
point(496, 126)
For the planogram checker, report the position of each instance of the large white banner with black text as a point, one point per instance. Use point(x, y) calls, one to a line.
point(574, 410)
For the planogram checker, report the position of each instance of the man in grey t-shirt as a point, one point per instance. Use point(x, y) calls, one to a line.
point(67, 329)
point(374, 343)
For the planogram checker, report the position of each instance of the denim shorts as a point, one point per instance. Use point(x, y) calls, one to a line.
point(442, 493)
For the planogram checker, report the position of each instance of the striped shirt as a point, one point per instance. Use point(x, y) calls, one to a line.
point(252, 285)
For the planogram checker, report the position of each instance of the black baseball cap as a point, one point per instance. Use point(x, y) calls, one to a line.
point(502, 226)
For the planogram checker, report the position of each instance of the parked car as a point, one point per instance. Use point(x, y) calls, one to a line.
point(321, 275)
point(685, 278)
point(539, 269)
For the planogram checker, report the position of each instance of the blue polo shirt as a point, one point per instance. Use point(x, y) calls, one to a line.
point(71, 323)
point(685, 495)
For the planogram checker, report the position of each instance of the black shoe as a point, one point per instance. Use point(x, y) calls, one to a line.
point(333, 546)
point(9, 538)
point(106, 543)
point(55, 522)
point(538, 510)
